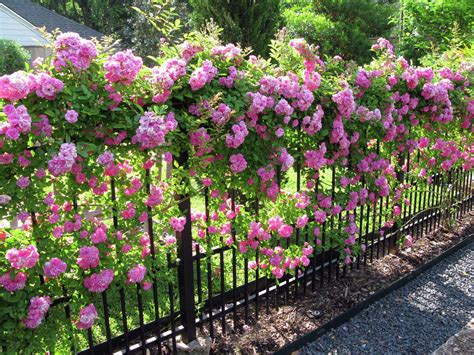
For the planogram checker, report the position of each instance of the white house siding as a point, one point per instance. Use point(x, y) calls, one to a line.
point(16, 28)
point(39, 52)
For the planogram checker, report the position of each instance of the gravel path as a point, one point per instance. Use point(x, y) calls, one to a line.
point(415, 319)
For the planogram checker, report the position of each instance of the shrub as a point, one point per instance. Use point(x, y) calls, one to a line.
point(13, 57)
point(428, 24)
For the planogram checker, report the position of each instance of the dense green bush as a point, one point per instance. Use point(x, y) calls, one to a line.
point(427, 24)
point(250, 23)
point(13, 56)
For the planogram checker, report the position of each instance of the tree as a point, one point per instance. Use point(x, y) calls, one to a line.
point(429, 24)
point(248, 22)
point(154, 22)
point(339, 27)
point(121, 20)
point(106, 16)
point(13, 57)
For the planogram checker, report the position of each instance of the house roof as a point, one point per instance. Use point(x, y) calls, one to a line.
point(40, 16)
point(16, 28)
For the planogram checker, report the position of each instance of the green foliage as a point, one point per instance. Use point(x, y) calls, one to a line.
point(247, 22)
point(139, 30)
point(340, 27)
point(456, 57)
point(13, 57)
point(427, 24)
point(316, 28)
point(155, 22)
point(106, 16)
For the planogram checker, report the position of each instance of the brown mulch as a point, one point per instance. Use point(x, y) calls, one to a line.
point(288, 322)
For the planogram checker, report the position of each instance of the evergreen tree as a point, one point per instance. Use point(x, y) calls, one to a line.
point(252, 23)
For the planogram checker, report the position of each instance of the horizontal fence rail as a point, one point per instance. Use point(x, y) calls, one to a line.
point(211, 292)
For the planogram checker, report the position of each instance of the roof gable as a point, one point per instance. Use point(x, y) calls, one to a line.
point(40, 16)
point(16, 28)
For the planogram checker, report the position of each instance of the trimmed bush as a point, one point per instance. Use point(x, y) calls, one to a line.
point(13, 56)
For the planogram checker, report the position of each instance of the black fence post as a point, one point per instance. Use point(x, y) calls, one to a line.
point(185, 265)
point(396, 228)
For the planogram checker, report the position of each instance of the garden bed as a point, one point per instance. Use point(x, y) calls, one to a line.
point(287, 322)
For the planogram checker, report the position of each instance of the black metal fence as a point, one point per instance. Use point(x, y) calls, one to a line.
point(212, 292)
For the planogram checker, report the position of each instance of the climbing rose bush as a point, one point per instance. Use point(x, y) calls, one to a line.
point(84, 137)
